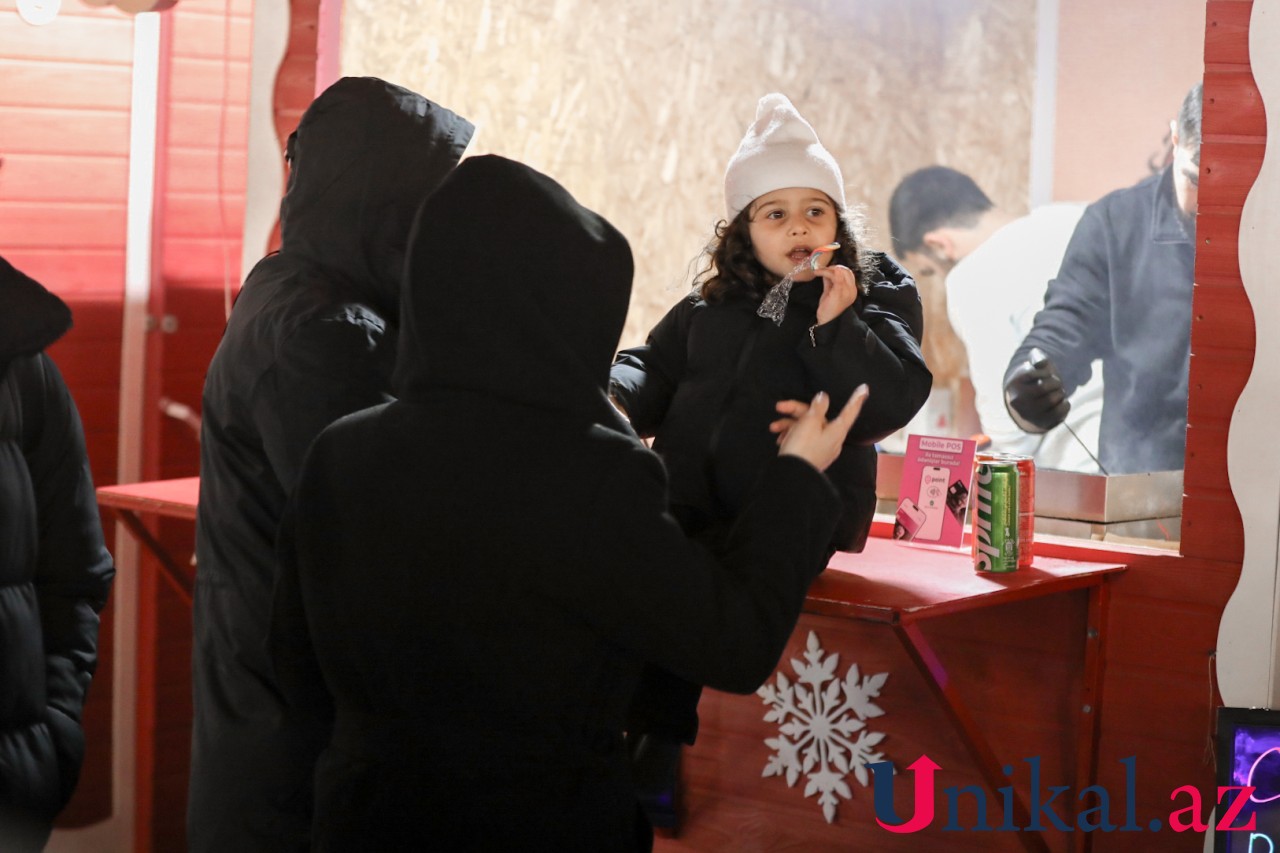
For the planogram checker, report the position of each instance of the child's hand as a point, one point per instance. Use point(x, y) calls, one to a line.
point(815, 439)
point(839, 291)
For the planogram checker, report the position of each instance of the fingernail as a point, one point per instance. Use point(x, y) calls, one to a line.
point(819, 396)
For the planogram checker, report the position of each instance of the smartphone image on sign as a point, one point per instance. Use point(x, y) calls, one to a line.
point(934, 482)
point(958, 500)
point(908, 521)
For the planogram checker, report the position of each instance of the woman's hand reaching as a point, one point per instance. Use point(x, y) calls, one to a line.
point(807, 433)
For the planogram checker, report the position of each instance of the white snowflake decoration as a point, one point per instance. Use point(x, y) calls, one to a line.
point(817, 728)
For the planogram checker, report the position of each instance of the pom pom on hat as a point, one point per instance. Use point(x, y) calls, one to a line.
point(780, 150)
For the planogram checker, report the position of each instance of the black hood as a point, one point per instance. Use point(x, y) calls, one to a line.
point(512, 289)
point(364, 156)
point(31, 318)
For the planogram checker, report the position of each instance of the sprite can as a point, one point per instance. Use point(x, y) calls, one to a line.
point(995, 521)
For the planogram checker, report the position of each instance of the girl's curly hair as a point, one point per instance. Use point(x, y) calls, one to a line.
point(731, 266)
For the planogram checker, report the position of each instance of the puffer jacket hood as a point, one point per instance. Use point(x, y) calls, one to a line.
point(31, 318)
point(362, 173)
point(513, 289)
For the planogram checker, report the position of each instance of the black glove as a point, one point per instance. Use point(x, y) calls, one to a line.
point(1033, 394)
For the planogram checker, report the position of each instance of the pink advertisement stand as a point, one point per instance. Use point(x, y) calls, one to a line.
point(933, 496)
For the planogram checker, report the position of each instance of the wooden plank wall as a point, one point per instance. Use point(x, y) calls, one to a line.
point(200, 214)
point(1222, 332)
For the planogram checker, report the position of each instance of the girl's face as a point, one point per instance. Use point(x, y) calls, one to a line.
point(786, 225)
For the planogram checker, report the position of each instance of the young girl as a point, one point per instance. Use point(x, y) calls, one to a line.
point(714, 377)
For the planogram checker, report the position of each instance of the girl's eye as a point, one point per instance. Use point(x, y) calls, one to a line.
point(817, 212)
point(774, 214)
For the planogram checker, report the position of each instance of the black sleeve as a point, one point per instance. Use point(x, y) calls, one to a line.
point(720, 622)
point(327, 368)
point(1074, 326)
point(74, 571)
point(644, 378)
point(875, 341)
point(293, 656)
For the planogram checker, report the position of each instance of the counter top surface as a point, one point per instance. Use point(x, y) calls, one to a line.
point(890, 581)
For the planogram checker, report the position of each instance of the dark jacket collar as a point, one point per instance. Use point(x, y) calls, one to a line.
point(31, 318)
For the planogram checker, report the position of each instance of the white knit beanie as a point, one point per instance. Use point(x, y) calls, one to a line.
point(779, 151)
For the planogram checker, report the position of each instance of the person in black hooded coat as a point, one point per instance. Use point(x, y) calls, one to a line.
point(473, 575)
point(55, 572)
point(311, 338)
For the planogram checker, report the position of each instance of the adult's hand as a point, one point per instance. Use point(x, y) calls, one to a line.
point(815, 439)
point(1034, 396)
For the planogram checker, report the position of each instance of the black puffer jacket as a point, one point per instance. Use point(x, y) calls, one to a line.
point(474, 574)
point(311, 338)
point(706, 382)
point(55, 572)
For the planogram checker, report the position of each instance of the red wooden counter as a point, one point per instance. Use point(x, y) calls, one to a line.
point(165, 498)
point(911, 648)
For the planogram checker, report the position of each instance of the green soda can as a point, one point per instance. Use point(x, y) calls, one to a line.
point(995, 521)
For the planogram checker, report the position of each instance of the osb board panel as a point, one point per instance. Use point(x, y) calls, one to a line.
point(636, 109)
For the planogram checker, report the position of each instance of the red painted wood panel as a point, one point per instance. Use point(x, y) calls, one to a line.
point(93, 38)
point(1230, 165)
point(65, 130)
point(42, 177)
point(201, 259)
point(1153, 633)
point(733, 807)
point(202, 80)
point(1207, 460)
point(1212, 529)
point(195, 125)
point(217, 182)
point(1217, 378)
point(1226, 37)
point(208, 33)
point(1222, 314)
point(64, 84)
point(202, 196)
point(85, 274)
point(1233, 106)
point(1217, 252)
point(198, 215)
point(90, 225)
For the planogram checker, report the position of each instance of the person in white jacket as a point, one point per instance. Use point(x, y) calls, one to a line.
point(997, 268)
